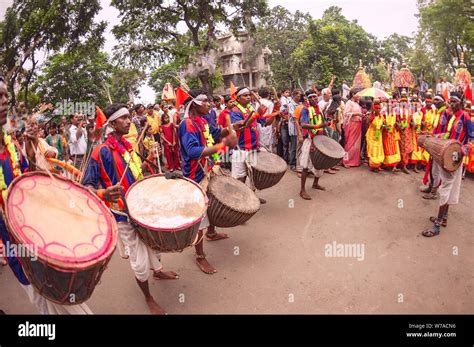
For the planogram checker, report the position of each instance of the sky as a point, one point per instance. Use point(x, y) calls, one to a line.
point(378, 17)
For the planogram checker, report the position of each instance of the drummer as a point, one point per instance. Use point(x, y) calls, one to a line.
point(103, 174)
point(197, 138)
point(13, 164)
point(460, 129)
point(244, 113)
point(312, 123)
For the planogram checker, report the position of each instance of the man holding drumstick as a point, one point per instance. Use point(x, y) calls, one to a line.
point(112, 169)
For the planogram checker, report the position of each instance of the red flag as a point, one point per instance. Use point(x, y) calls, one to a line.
point(468, 92)
point(233, 91)
point(181, 95)
point(100, 118)
point(446, 94)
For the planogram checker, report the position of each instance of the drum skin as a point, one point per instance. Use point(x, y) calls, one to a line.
point(267, 169)
point(166, 213)
point(70, 230)
point(328, 153)
point(446, 153)
point(231, 202)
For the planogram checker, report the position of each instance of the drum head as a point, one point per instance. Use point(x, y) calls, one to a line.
point(267, 162)
point(328, 147)
point(164, 204)
point(233, 193)
point(66, 224)
point(452, 157)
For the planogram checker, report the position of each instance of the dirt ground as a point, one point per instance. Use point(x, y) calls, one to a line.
point(277, 263)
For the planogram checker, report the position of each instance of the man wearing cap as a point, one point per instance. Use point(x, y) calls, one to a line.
point(460, 129)
point(198, 151)
point(243, 113)
point(109, 162)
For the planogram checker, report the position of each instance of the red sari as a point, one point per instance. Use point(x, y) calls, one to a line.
point(352, 133)
point(171, 149)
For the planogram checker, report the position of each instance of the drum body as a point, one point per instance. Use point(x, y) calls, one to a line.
point(231, 202)
point(446, 153)
point(167, 213)
point(267, 169)
point(70, 235)
point(327, 154)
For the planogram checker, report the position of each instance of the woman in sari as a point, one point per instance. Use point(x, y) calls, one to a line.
point(352, 130)
point(373, 137)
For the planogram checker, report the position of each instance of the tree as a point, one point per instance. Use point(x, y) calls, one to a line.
point(123, 82)
point(78, 76)
point(335, 47)
point(31, 26)
point(449, 26)
point(282, 32)
point(148, 29)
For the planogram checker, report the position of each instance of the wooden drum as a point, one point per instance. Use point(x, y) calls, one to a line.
point(70, 233)
point(446, 153)
point(231, 202)
point(167, 212)
point(267, 169)
point(327, 154)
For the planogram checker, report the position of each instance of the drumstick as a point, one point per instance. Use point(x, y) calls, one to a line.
point(158, 160)
point(53, 179)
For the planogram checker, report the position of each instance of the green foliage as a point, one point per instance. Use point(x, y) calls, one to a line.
point(49, 25)
point(124, 81)
point(449, 28)
point(80, 75)
point(147, 33)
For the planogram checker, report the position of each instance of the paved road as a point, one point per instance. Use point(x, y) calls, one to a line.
point(282, 263)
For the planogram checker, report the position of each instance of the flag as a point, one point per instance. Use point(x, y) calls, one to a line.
point(100, 118)
point(468, 92)
point(181, 95)
point(233, 90)
point(168, 92)
point(446, 94)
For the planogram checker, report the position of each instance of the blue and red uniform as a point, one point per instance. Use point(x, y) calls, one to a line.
point(248, 137)
point(105, 168)
point(461, 129)
point(7, 166)
point(442, 123)
point(193, 143)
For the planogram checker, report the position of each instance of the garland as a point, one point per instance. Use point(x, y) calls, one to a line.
point(128, 154)
point(315, 119)
point(210, 142)
point(15, 164)
point(378, 121)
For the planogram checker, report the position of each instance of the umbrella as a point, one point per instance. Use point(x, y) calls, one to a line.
point(374, 93)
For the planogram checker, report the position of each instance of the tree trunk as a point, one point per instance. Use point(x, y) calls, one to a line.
point(204, 78)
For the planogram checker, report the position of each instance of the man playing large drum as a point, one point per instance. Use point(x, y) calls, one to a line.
point(459, 128)
point(243, 113)
point(103, 174)
point(312, 124)
point(197, 139)
point(12, 165)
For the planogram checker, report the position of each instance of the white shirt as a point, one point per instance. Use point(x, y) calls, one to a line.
point(77, 147)
point(345, 91)
point(266, 132)
point(323, 105)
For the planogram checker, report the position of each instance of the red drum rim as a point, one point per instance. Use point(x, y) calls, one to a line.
point(169, 229)
point(56, 260)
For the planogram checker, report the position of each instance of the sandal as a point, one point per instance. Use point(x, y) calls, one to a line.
point(430, 233)
point(444, 222)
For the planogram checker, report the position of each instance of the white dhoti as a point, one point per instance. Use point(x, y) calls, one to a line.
point(450, 187)
point(305, 159)
point(143, 259)
point(239, 161)
point(45, 306)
